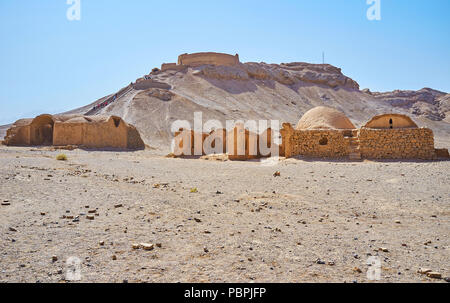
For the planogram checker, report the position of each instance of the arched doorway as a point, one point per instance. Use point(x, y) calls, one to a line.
point(42, 130)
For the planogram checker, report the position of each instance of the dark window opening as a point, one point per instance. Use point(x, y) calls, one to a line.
point(323, 141)
point(116, 121)
point(391, 123)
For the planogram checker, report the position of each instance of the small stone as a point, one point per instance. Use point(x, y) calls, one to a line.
point(12, 229)
point(434, 275)
point(118, 205)
point(159, 245)
point(383, 249)
point(205, 249)
point(398, 222)
point(424, 270)
point(101, 243)
point(54, 258)
point(277, 174)
point(357, 270)
point(318, 261)
point(42, 214)
point(6, 203)
point(69, 217)
point(114, 257)
point(90, 217)
point(331, 263)
point(135, 246)
point(147, 246)
point(92, 211)
point(197, 220)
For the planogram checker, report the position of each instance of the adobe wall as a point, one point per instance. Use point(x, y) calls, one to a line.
point(198, 59)
point(412, 143)
point(68, 133)
point(98, 135)
point(103, 135)
point(18, 136)
point(172, 66)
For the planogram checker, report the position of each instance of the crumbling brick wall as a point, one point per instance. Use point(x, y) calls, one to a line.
point(407, 143)
point(198, 59)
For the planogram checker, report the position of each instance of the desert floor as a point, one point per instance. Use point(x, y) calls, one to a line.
point(213, 221)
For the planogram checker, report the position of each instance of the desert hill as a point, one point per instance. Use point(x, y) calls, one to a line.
point(260, 91)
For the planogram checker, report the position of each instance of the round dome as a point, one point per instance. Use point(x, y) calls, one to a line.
point(324, 118)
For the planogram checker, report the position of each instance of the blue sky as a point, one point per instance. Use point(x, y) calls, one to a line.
point(50, 64)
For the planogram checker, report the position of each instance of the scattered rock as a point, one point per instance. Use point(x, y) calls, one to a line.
point(383, 249)
point(398, 222)
point(118, 205)
point(434, 275)
point(6, 203)
point(159, 245)
point(54, 258)
point(205, 249)
point(114, 257)
point(147, 246)
point(357, 270)
point(424, 271)
point(101, 243)
point(90, 217)
point(92, 211)
point(318, 261)
point(12, 229)
point(197, 220)
point(135, 246)
point(43, 214)
point(277, 174)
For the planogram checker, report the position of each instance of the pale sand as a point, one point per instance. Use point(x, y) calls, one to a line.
point(258, 228)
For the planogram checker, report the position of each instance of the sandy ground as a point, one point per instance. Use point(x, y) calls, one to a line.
point(219, 221)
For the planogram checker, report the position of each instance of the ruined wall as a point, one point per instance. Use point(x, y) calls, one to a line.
point(238, 143)
point(111, 133)
point(242, 144)
point(18, 135)
point(408, 143)
point(172, 66)
point(198, 59)
point(68, 134)
point(319, 143)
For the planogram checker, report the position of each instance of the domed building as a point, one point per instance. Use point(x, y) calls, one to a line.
point(322, 117)
point(391, 121)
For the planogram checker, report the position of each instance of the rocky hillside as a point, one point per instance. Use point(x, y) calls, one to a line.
point(426, 102)
point(260, 91)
